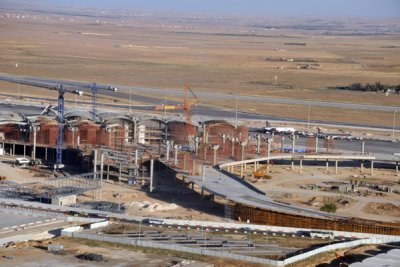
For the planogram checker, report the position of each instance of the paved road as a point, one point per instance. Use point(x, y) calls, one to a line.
point(161, 92)
point(235, 189)
point(158, 96)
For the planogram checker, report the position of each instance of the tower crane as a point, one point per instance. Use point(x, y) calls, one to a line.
point(186, 107)
point(62, 89)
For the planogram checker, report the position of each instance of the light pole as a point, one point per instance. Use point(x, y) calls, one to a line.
point(16, 66)
point(236, 113)
point(130, 99)
point(308, 117)
point(394, 123)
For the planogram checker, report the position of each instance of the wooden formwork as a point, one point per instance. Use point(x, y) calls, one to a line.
point(263, 216)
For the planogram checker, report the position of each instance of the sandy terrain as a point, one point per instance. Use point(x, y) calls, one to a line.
point(222, 57)
point(120, 257)
point(291, 187)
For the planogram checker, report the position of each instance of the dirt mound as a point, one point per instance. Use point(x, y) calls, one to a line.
point(382, 209)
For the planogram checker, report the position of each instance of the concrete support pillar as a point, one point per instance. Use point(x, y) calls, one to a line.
point(301, 166)
point(258, 138)
point(34, 143)
point(136, 157)
point(73, 137)
point(316, 144)
point(192, 185)
point(101, 167)
point(203, 173)
point(269, 142)
point(14, 149)
point(245, 166)
point(255, 166)
point(78, 141)
point(202, 191)
point(372, 167)
point(151, 174)
point(45, 153)
point(24, 150)
point(362, 147)
point(241, 170)
point(196, 145)
point(168, 146)
point(397, 167)
point(176, 147)
point(282, 142)
point(95, 164)
point(336, 167)
point(233, 149)
point(362, 166)
point(120, 173)
point(327, 165)
point(215, 148)
point(108, 172)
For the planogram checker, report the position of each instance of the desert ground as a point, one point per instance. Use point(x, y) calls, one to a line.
point(230, 56)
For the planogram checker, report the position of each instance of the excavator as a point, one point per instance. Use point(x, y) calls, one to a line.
point(260, 172)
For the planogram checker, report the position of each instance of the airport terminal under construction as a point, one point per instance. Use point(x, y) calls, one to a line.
point(87, 146)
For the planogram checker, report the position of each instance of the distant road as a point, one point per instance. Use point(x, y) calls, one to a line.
point(159, 93)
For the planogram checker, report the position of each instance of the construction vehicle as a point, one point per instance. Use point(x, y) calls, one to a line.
point(260, 172)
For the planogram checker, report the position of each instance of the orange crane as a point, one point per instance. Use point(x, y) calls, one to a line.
point(186, 107)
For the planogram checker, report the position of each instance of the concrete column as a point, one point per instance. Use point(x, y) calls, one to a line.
point(215, 148)
point(101, 167)
point(282, 141)
point(372, 167)
point(151, 174)
point(176, 147)
point(120, 173)
point(255, 165)
point(233, 148)
point(34, 143)
point(397, 167)
point(136, 157)
point(243, 144)
point(168, 146)
point(45, 153)
point(73, 137)
point(24, 150)
point(108, 172)
point(241, 170)
point(327, 165)
point(362, 166)
point(316, 144)
point(258, 138)
point(301, 166)
point(202, 191)
point(95, 164)
point(269, 149)
point(78, 141)
point(362, 147)
point(203, 173)
point(336, 167)
point(196, 145)
point(192, 185)
point(14, 149)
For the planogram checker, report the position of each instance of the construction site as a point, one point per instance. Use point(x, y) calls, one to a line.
point(93, 157)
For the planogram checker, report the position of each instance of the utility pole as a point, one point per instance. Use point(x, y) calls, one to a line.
point(236, 113)
point(308, 117)
point(394, 123)
point(151, 174)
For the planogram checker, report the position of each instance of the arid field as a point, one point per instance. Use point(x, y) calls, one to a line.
point(232, 56)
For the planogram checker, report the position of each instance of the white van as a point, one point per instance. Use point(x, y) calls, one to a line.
point(322, 234)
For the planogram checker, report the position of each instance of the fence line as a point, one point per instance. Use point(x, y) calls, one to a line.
point(206, 252)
